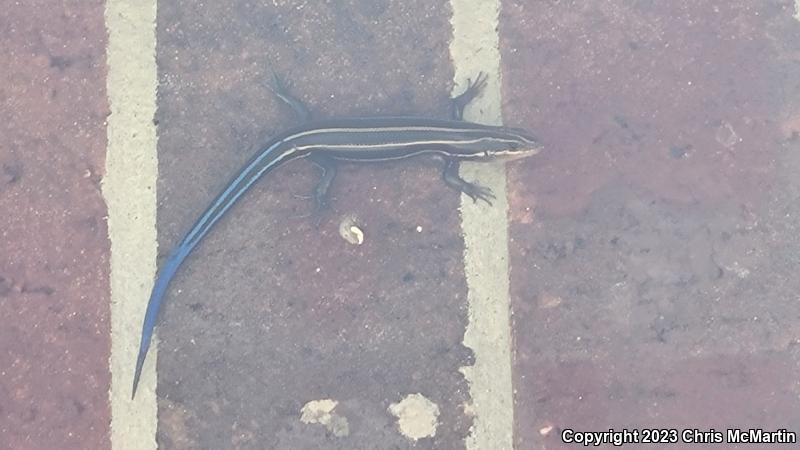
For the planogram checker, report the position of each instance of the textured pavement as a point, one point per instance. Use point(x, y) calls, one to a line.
point(653, 244)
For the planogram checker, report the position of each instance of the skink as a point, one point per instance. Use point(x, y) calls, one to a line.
point(349, 139)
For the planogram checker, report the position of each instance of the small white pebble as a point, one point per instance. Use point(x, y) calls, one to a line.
point(350, 231)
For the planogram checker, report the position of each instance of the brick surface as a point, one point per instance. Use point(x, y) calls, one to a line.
point(653, 251)
point(54, 338)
